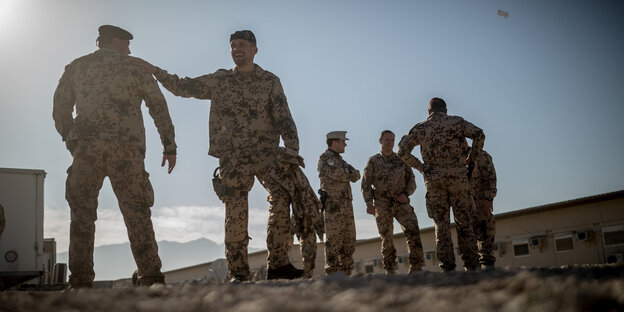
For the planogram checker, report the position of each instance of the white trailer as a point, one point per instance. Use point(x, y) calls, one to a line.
point(22, 254)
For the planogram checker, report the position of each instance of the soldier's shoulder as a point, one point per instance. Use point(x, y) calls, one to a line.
point(418, 126)
point(375, 158)
point(454, 118)
point(221, 73)
point(325, 154)
point(485, 155)
point(82, 59)
point(267, 75)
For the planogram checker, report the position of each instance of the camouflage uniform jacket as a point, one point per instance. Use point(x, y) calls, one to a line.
point(387, 177)
point(483, 179)
point(247, 115)
point(107, 90)
point(306, 207)
point(335, 175)
point(441, 139)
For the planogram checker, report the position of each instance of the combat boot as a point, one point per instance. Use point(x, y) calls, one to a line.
point(237, 279)
point(414, 268)
point(285, 272)
point(149, 281)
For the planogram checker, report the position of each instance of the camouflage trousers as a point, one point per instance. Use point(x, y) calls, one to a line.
point(485, 232)
point(238, 175)
point(340, 231)
point(441, 195)
point(93, 160)
point(385, 213)
point(307, 243)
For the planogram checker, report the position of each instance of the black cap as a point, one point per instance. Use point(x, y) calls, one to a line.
point(110, 31)
point(437, 104)
point(245, 35)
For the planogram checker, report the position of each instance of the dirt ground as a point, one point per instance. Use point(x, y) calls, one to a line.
point(578, 288)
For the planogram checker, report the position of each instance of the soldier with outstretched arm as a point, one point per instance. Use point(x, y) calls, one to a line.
point(248, 116)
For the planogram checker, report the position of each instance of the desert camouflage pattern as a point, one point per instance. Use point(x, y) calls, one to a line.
point(123, 164)
point(483, 178)
point(483, 187)
point(107, 90)
point(107, 139)
point(247, 114)
point(335, 175)
point(441, 195)
point(307, 220)
point(384, 179)
point(307, 244)
point(441, 138)
point(2, 220)
point(238, 174)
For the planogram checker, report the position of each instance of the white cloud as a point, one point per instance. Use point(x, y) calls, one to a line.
point(56, 225)
point(179, 224)
point(366, 228)
point(186, 223)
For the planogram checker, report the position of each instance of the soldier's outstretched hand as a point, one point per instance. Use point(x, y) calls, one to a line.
point(145, 65)
point(172, 162)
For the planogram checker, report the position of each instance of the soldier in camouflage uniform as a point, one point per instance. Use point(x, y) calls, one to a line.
point(387, 184)
point(107, 139)
point(248, 115)
point(482, 179)
point(335, 175)
point(441, 140)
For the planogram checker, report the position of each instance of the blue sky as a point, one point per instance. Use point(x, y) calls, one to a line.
point(545, 84)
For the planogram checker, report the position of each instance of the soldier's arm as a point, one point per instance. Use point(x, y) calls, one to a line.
point(282, 117)
point(157, 106)
point(63, 107)
point(406, 145)
point(334, 171)
point(367, 182)
point(478, 138)
point(354, 174)
point(199, 87)
point(488, 173)
point(410, 181)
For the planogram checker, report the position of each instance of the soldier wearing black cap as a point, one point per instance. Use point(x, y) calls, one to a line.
point(107, 139)
point(114, 37)
point(248, 116)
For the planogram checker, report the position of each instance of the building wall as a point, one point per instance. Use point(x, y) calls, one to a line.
point(576, 224)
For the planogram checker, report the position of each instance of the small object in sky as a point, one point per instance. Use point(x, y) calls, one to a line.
point(502, 13)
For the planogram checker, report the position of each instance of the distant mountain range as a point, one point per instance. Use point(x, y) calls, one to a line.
point(113, 262)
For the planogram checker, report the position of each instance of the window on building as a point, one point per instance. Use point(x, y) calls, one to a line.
point(613, 235)
point(368, 268)
point(430, 255)
point(521, 247)
point(564, 242)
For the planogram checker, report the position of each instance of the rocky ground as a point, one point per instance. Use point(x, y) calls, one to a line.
point(579, 288)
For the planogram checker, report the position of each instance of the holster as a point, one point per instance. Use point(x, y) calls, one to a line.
point(217, 184)
point(322, 198)
point(221, 190)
